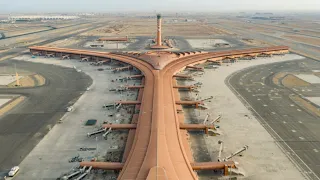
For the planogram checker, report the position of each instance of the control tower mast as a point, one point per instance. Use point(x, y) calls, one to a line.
point(159, 43)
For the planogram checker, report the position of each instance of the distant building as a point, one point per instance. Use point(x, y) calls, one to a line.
point(40, 18)
point(268, 17)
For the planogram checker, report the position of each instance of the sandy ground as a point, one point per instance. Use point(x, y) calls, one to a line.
point(315, 100)
point(3, 101)
point(206, 43)
point(148, 27)
point(308, 40)
point(310, 78)
point(307, 105)
point(108, 45)
point(254, 42)
point(24, 31)
point(5, 80)
point(314, 33)
point(28, 81)
point(51, 159)
point(291, 81)
point(65, 42)
point(113, 28)
point(264, 160)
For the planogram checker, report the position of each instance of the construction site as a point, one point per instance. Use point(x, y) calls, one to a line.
point(126, 101)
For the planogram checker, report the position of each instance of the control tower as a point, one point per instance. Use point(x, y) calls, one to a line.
point(158, 44)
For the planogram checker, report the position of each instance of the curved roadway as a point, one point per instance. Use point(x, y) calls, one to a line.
point(23, 127)
point(294, 128)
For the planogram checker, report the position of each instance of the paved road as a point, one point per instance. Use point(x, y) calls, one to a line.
point(293, 128)
point(48, 39)
point(26, 125)
point(310, 50)
point(49, 29)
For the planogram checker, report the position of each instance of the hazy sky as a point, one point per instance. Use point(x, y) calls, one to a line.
point(154, 5)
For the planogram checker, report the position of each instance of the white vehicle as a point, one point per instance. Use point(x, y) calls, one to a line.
point(70, 108)
point(13, 171)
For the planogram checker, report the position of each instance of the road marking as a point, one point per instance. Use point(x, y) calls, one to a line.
point(277, 135)
point(273, 112)
point(265, 105)
point(315, 150)
point(291, 105)
point(259, 83)
point(284, 122)
point(258, 99)
point(260, 94)
point(285, 115)
point(293, 130)
point(298, 109)
point(300, 122)
point(302, 138)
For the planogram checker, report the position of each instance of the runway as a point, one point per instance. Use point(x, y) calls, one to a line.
point(28, 123)
point(295, 129)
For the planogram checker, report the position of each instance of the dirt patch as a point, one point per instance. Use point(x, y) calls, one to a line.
point(192, 29)
point(314, 33)
point(306, 105)
point(148, 27)
point(24, 82)
point(107, 30)
point(40, 80)
point(29, 81)
point(254, 42)
point(65, 42)
point(11, 105)
point(277, 77)
point(292, 81)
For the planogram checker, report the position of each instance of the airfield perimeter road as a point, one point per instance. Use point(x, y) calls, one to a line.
point(292, 127)
point(23, 127)
point(41, 38)
point(298, 47)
